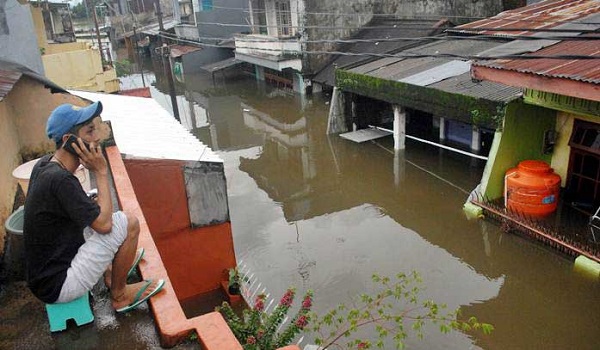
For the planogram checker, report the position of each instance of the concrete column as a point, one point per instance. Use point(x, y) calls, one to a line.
point(476, 140)
point(336, 121)
point(399, 167)
point(299, 84)
point(353, 114)
point(399, 127)
point(442, 128)
point(259, 72)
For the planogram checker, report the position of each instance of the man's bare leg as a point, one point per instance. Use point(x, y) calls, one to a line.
point(123, 294)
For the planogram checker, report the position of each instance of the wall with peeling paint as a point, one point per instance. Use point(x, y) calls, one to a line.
point(23, 114)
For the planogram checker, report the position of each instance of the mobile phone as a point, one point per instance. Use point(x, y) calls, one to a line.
point(68, 146)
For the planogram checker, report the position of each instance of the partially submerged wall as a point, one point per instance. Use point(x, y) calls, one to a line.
point(520, 139)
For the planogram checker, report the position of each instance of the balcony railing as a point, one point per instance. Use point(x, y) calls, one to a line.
point(264, 45)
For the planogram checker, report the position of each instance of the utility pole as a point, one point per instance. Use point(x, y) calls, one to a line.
point(139, 62)
point(165, 53)
point(98, 33)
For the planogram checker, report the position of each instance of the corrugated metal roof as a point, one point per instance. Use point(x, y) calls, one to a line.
point(464, 85)
point(439, 73)
point(220, 65)
point(180, 50)
point(11, 72)
point(143, 129)
point(8, 79)
point(580, 70)
point(542, 15)
point(431, 72)
point(401, 28)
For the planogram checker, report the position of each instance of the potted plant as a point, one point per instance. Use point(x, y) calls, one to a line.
point(235, 281)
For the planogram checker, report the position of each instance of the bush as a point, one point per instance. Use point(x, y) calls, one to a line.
point(258, 330)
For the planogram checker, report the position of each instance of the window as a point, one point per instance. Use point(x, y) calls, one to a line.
point(187, 11)
point(284, 18)
point(207, 5)
point(583, 179)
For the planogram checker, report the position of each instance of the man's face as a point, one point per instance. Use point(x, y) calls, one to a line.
point(89, 131)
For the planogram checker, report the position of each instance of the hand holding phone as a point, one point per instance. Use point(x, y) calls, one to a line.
point(68, 145)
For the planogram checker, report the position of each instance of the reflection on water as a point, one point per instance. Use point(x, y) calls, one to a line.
point(321, 212)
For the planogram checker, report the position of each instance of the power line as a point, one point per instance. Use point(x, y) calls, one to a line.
point(395, 16)
point(422, 38)
point(400, 55)
point(549, 30)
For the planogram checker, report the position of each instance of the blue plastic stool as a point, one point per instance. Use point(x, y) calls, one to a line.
point(78, 310)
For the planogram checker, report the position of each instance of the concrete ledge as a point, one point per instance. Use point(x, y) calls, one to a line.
point(171, 322)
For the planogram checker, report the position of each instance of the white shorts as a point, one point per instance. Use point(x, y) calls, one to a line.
point(92, 259)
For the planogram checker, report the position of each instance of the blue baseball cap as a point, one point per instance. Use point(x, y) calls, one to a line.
point(66, 116)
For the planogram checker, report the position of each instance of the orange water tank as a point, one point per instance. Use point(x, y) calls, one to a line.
point(532, 188)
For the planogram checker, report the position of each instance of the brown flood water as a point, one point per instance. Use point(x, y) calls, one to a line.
point(324, 213)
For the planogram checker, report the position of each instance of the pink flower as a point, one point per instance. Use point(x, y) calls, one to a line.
point(287, 298)
point(362, 345)
point(301, 322)
point(259, 302)
point(307, 302)
point(250, 340)
point(260, 333)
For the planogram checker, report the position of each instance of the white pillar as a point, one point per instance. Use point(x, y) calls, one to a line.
point(399, 168)
point(259, 72)
point(353, 113)
point(399, 127)
point(442, 128)
point(337, 121)
point(475, 139)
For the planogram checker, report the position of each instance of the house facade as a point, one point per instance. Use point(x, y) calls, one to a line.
point(290, 40)
point(561, 120)
point(69, 63)
point(17, 43)
point(209, 27)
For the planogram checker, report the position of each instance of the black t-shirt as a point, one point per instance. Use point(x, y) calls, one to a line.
point(57, 210)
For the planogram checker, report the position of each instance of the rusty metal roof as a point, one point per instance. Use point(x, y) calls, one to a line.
point(542, 15)
point(581, 70)
point(11, 72)
point(180, 50)
point(8, 79)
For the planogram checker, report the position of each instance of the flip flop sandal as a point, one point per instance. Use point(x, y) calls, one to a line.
point(138, 297)
point(136, 262)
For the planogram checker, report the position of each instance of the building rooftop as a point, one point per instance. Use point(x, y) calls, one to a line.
point(144, 129)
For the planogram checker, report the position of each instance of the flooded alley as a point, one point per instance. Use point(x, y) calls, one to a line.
point(321, 212)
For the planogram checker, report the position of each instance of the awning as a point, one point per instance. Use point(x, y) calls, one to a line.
point(217, 66)
point(180, 50)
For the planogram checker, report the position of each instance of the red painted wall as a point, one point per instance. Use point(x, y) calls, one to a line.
point(195, 259)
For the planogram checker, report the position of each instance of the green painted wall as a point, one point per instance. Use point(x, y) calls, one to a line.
point(521, 138)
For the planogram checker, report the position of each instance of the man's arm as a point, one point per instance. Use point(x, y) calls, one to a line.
point(94, 161)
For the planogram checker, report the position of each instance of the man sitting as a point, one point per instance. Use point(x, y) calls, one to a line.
point(72, 240)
